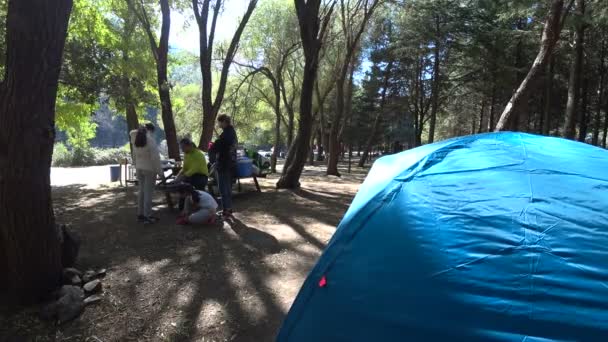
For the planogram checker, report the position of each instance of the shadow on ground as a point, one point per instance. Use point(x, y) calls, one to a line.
point(230, 282)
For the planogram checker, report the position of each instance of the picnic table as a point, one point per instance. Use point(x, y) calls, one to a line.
point(213, 183)
point(170, 188)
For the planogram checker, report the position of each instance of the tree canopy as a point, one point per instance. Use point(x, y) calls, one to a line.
point(422, 71)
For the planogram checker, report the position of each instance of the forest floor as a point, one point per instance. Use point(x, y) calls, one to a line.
point(234, 282)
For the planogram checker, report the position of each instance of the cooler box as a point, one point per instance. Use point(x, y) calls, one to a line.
point(244, 167)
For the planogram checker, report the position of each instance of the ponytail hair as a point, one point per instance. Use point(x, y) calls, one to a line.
point(141, 139)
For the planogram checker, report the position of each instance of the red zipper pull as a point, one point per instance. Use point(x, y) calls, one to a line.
point(323, 282)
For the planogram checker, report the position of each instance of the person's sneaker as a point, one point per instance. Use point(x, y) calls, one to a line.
point(182, 221)
point(149, 220)
point(226, 213)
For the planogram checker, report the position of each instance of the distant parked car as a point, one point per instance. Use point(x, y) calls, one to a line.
point(265, 162)
point(266, 154)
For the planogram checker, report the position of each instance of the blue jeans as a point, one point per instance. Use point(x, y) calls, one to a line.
point(146, 181)
point(224, 183)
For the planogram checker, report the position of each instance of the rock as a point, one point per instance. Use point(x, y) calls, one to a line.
point(68, 306)
point(88, 276)
point(101, 273)
point(70, 271)
point(71, 304)
point(71, 276)
point(92, 286)
point(92, 299)
point(76, 281)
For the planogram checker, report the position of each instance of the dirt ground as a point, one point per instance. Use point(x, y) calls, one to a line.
point(234, 282)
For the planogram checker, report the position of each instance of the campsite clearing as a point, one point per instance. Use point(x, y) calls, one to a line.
point(165, 282)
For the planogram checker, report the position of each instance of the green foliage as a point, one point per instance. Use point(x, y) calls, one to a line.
point(184, 68)
point(74, 118)
point(485, 49)
point(106, 55)
point(187, 110)
point(87, 156)
point(61, 156)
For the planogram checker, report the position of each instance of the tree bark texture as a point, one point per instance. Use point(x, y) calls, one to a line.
point(312, 30)
point(436, 83)
point(163, 82)
point(212, 106)
point(30, 257)
point(482, 112)
point(378, 118)
point(278, 115)
point(160, 53)
point(576, 68)
point(583, 111)
point(551, 33)
point(548, 97)
point(352, 35)
point(600, 94)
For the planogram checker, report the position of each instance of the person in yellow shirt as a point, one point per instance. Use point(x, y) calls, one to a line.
point(194, 168)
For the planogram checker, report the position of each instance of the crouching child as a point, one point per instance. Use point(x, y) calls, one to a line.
point(200, 208)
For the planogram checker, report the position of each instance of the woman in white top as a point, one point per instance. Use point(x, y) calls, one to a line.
point(147, 165)
point(200, 208)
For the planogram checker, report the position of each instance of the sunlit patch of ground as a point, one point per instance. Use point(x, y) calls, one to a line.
point(172, 283)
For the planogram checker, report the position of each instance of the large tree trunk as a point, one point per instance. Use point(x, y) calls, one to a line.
point(583, 115)
point(576, 68)
point(160, 53)
point(520, 64)
point(352, 35)
point(277, 127)
point(334, 143)
point(600, 94)
point(30, 256)
point(311, 153)
point(290, 127)
point(131, 114)
point(320, 143)
point(435, 86)
point(212, 106)
point(548, 98)
point(551, 33)
point(312, 30)
point(277, 144)
point(298, 152)
point(481, 115)
point(419, 123)
point(492, 105)
point(374, 133)
point(370, 140)
point(163, 82)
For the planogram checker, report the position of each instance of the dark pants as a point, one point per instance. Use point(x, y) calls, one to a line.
point(224, 183)
point(198, 181)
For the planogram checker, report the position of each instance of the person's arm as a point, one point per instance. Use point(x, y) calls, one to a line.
point(219, 143)
point(186, 165)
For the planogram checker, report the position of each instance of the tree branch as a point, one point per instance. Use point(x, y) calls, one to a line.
point(231, 52)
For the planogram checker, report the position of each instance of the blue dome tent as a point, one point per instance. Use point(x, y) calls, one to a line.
point(494, 237)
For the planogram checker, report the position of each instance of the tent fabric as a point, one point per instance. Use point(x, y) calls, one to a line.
point(493, 237)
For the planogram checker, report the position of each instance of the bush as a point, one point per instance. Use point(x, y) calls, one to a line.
point(110, 155)
point(87, 156)
point(62, 157)
point(83, 156)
